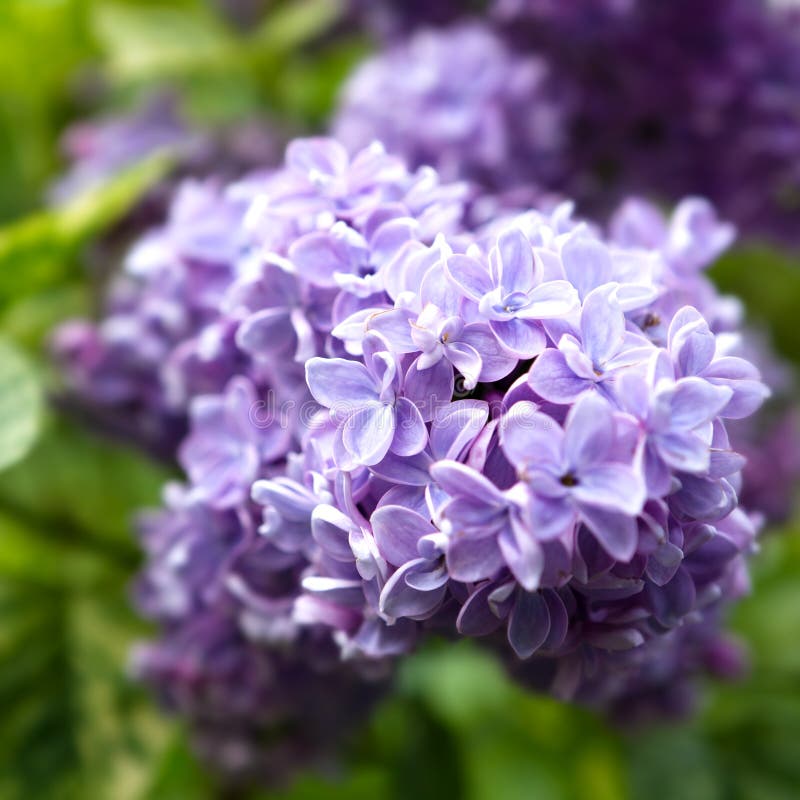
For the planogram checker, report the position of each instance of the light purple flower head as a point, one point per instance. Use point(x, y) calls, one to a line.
point(516, 432)
point(662, 99)
point(563, 472)
point(461, 102)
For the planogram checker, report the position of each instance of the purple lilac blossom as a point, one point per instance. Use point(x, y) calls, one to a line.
point(489, 115)
point(516, 431)
point(585, 506)
point(262, 696)
point(664, 99)
point(207, 294)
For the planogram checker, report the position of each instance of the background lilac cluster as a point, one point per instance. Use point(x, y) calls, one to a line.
point(598, 100)
point(401, 424)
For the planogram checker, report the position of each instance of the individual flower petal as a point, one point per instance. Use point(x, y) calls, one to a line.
point(397, 531)
point(551, 378)
point(368, 433)
point(410, 434)
point(529, 623)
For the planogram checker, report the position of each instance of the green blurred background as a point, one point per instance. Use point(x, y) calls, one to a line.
point(71, 723)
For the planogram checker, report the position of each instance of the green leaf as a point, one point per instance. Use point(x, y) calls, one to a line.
point(20, 405)
point(144, 42)
point(79, 485)
point(42, 44)
point(768, 283)
point(74, 726)
point(42, 250)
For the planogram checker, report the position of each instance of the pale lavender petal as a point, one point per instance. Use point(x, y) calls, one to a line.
point(551, 299)
point(410, 433)
point(602, 324)
point(470, 276)
point(339, 384)
point(456, 427)
point(617, 533)
point(551, 378)
point(587, 263)
point(694, 401)
point(405, 470)
point(522, 553)
point(550, 518)
point(429, 389)
point(467, 360)
point(266, 332)
point(522, 337)
point(331, 530)
point(398, 599)
point(514, 255)
point(685, 452)
point(368, 433)
point(322, 155)
point(615, 487)
point(318, 257)
point(473, 559)
point(530, 437)
point(589, 432)
point(496, 363)
point(397, 531)
point(395, 327)
point(458, 479)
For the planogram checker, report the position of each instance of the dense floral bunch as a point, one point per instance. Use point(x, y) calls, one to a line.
point(209, 321)
point(490, 115)
point(171, 327)
point(260, 694)
point(400, 423)
point(527, 434)
point(665, 99)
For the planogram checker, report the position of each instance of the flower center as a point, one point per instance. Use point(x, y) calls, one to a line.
point(651, 320)
point(514, 301)
point(569, 480)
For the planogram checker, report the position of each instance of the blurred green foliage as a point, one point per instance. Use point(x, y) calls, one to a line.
point(72, 725)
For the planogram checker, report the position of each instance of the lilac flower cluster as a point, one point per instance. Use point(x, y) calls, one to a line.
point(260, 694)
point(490, 115)
point(171, 325)
point(401, 423)
point(208, 332)
point(528, 434)
point(664, 99)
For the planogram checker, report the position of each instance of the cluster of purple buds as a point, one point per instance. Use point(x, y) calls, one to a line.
point(401, 424)
point(666, 99)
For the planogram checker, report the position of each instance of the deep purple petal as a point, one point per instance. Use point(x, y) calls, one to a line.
point(529, 623)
